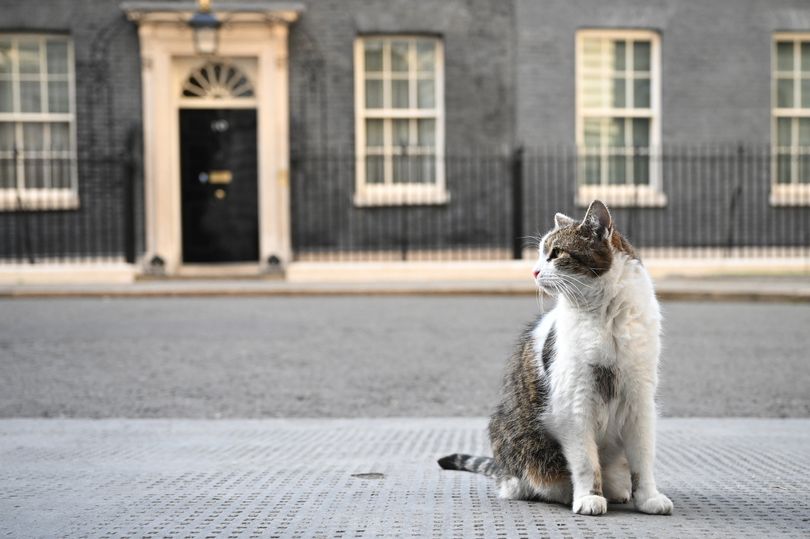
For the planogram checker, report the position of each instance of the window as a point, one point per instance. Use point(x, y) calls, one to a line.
point(399, 101)
point(37, 149)
point(618, 123)
point(791, 120)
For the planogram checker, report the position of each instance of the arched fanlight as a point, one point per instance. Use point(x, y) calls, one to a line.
point(218, 80)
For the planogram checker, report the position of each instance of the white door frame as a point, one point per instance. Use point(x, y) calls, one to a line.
point(166, 46)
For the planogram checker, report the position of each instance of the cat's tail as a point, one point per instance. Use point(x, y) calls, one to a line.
point(469, 463)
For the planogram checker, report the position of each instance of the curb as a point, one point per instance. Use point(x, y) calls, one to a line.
point(133, 291)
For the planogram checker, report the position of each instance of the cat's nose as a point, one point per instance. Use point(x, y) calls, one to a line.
point(536, 273)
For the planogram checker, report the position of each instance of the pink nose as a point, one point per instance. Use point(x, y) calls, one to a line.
point(536, 273)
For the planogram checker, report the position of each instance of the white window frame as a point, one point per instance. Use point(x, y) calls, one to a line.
point(651, 195)
point(391, 194)
point(793, 193)
point(41, 198)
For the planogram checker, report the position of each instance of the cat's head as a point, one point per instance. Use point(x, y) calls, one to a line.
point(574, 254)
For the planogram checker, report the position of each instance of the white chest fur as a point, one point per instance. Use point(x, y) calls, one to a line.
point(605, 354)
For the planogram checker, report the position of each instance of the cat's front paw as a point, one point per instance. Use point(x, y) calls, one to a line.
point(590, 505)
point(657, 504)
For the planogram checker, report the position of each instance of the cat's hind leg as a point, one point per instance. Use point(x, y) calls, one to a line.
point(561, 491)
point(514, 488)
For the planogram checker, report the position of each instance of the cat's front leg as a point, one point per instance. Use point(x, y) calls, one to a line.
point(583, 460)
point(639, 439)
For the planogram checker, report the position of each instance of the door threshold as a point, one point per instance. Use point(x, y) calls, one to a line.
point(238, 270)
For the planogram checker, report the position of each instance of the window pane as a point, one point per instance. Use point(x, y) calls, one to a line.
point(617, 170)
point(33, 144)
point(805, 64)
point(58, 96)
point(403, 169)
point(399, 94)
point(8, 173)
point(805, 93)
point(592, 131)
point(641, 132)
point(373, 55)
point(6, 136)
point(784, 56)
point(641, 170)
point(400, 133)
point(783, 168)
point(619, 55)
point(426, 93)
point(6, 96)
point(592, 53)
point(29, 57)
point(593, 170)
point(5, 56)
point(619, 93)
point(34, 173)
point(424, 170)
point(804, 150)
point(783, 132)
point(375, 169)
point(374, 133)
point(60, 173)
point(641, 93)
point(426, 56)
point(399, 56)
point(60, 137)
point(804, 169)
point(804, 132)
point(641, 56)
point(374, 94)
point(616, 133)
point(784, 93)
point(594, 92)
point(33, 138)
point(30, 98)
point(426, 133)
point(57, 57)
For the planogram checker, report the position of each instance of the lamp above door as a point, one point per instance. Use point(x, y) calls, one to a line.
point(205, 27)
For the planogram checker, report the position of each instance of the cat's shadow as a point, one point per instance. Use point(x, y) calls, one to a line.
point(613, 508)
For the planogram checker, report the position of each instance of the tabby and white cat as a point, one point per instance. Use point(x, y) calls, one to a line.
point(576, 423)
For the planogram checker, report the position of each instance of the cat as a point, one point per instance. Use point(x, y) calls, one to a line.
point(576, 422)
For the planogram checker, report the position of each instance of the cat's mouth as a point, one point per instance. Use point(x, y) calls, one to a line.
point(547, 288)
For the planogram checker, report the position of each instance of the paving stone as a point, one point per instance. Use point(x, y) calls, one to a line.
point(370, 478)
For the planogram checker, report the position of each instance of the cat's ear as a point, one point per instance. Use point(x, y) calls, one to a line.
point(561, 220)
point(598, 219)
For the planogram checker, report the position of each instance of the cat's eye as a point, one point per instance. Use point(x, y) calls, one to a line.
point(553, 254)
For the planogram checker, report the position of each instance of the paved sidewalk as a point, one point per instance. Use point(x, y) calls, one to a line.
point(370, 478)
point(731, 288)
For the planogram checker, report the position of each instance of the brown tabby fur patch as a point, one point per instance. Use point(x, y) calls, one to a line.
point(581, 251)
point(621, 244)
point(521, 446)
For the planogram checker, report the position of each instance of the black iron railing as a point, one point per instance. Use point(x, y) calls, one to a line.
point(708, 201)
point(718, 201)
point(90, 218)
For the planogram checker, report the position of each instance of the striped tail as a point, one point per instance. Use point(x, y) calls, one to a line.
point(469, 463)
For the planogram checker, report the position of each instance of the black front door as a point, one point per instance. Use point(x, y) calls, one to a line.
point(219, 185)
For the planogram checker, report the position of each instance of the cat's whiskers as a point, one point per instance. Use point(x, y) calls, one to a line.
point(579, 282)
point(574, 293)
point(566, 289)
